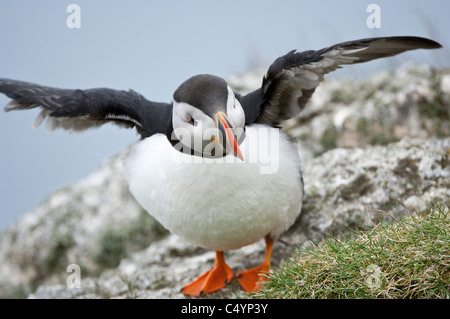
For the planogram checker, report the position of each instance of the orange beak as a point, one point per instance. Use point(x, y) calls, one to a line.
point(223, 124)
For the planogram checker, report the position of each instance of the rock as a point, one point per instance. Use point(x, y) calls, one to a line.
point(160, 271)
point(357, 187)
point(371, 150)
point(93, 223)
point(412, 101)
point(445, 84)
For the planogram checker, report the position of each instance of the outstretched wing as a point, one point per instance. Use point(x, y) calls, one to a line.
point(292, 79)
point(82, 109)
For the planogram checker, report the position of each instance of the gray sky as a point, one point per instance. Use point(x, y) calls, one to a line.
point(153, 46)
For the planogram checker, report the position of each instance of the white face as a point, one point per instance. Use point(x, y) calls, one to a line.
point(197, 130)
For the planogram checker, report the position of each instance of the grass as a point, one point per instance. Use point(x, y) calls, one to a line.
point(409, 258)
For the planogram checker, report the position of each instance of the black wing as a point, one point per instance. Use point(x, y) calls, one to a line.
point(292, 79)
point(82, 109)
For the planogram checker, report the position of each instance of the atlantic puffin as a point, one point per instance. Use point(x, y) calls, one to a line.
point(213, 166)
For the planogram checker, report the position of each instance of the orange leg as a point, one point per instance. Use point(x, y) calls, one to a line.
point(249, 279)
point(214, 279)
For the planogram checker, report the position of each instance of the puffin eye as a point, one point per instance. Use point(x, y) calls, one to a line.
point(193, 122)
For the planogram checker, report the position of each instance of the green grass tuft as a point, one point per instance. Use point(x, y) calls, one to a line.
point(406, 259)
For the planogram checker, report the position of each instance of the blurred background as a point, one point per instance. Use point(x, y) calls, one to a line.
point(153, 46)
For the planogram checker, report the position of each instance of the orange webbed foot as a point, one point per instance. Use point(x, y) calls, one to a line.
point(214, 279)
point(249, 279)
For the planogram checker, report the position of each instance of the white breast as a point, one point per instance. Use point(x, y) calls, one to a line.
point(221, 203)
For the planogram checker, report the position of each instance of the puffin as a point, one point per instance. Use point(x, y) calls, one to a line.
point(213, 166)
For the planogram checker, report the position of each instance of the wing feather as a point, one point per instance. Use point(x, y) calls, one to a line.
point(292, 79)
point(78, 110)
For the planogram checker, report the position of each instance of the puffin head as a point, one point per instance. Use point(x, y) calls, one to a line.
point(207, 118)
